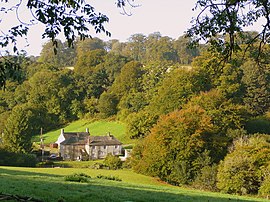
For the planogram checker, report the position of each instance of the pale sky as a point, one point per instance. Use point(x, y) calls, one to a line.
point(169, 17)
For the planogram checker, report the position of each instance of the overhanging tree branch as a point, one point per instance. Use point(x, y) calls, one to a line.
point(229, 17)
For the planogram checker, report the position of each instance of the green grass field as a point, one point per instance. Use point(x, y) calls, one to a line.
point(48, 184)
point(95, 128)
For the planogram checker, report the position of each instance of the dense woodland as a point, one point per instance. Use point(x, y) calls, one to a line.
point(199, 120)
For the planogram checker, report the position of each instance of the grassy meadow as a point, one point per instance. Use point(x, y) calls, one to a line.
point(48, 184)
point(95, 128)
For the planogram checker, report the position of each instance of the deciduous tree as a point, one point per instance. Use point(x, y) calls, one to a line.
point(173, 149)
point(220, 17)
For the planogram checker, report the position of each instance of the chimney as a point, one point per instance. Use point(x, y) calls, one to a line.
point(109, 135)
point(62, 131)
point(87, 130)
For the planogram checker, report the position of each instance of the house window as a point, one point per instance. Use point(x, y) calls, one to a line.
point(93, 147)
point(116, 146)
point(104, 146)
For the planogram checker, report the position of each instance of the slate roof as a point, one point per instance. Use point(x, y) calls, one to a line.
point(75, 138)
point(103, 140)
point(76, 134)
point(81, 138)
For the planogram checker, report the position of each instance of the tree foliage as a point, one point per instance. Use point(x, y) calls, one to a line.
point(173, 149)
point(241, 171)
point(139, 124)
point(19, 130)
point(256, 82)
point(74, 18)
point(176, 89)
point(221, 17)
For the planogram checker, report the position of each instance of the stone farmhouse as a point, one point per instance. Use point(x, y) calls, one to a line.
point(83, 146)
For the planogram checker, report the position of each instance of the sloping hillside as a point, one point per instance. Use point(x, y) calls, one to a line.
point(48, 184)
point(95, 128)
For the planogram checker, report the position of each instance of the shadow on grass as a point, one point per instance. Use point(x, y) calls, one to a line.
point(27, 173)
point(56, 189)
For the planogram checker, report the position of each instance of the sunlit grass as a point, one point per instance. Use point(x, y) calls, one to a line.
point(95, 128)
point(48, 184)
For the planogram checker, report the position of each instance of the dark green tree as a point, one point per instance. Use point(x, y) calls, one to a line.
point(128, 79)
point(178, 86)
point(18, 130)
point(184, 53)
point(65, 56)
point(160, 48)
point(113, 63)
point(107, 105)
point(53, 91)
point(256, 80)
point(87, 60)
point(89, 44)
point(139, 124)
point(136, 47)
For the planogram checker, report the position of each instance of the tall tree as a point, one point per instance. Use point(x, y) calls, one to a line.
point(65, 55)
point(136, 47)
point(53, 91)
point(89, 45)
point(160, 48)
point(185, 54)
point(256, 80)
point(73, 18)
point(18, 130)
point(175, 90)
point(128, 79)
point(173, 149)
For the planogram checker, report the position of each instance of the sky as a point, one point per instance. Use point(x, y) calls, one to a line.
point(169, 17)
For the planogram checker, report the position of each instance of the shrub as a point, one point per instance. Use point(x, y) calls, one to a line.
point(8, 158)
point(112, 162)
point(45, 164)
point(78, 177)
point(207, 178)
point(127, 163)
point(241, 171)
point(114, 178)
point(97, 165)
point(258, 125)
point(265, 185)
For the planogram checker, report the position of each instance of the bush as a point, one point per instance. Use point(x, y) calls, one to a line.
point(265, 188)
point(127, 163)
point(45, 164)
point(265, 185)
point(8, 158)
point(241, 171)
point(207, 179)
point(114, 178)
point(112, 162)
point(258, 125)
point(97, 165)
point(78, 177)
